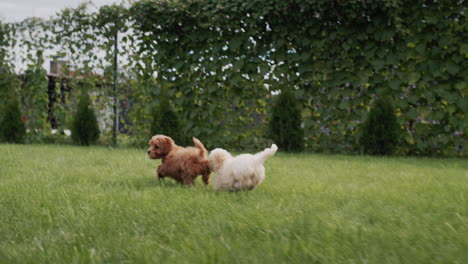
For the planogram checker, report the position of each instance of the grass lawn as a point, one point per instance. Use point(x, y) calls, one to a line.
point(67, 204)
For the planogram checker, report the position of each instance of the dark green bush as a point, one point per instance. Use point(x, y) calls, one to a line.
point(285, 124)
point(166, 122)
point(380, 131)
point(84, 128)
point(12, 128)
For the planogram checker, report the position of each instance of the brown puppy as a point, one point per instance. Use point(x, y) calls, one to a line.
point(181, 164)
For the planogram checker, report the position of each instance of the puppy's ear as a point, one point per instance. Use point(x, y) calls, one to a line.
point(166, 145)
point(216, 160)
point(221, 159)
point(152, 141)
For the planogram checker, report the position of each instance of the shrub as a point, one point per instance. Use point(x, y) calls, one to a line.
point(285, 124)
point(166, 122)
point(380, 131)
point(12, 128)
point(84, 128)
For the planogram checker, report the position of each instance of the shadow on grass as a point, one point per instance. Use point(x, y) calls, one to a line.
point(144, 183)
point(151, 182)
point(141, 183)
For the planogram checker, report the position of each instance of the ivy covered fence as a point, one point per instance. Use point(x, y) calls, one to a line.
point(222, 62)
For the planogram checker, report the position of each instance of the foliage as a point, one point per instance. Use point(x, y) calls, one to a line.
point(84, 127)
point(12, 128)
point(333, 52)
point(166, 122)
point(35, 99)
point(9, 84)
point(381, 130)
point(141, 116)
point(221, 60)
point(110, 21)
point(32, 41)
point(243, 124)
point(285, 124)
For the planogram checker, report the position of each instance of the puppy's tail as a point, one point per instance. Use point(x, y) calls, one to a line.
point(264, 155)
point(199, 145)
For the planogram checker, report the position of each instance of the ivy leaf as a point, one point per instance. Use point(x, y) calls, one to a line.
point(412, 114)
point(411, 45)
point(409, 137)
point(264, 69)
point(235, 44)
point(235, 79)
point(414, 77)
point(392, 59)
point(394, 84)
point(452, 68)
point(461, 86)
point(343, 105)
point(378, 65)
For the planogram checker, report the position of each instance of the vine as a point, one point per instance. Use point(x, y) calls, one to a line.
point(337, 55)
point(222, 62)
point(9, 85)
point(34, 88)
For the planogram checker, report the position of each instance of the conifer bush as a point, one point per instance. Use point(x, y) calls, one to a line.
point(84, 128)
point(12, 128)
point(380, 131)
point(166, 121)
point(285, 124)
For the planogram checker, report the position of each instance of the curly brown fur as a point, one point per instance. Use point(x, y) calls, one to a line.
point(181, 164)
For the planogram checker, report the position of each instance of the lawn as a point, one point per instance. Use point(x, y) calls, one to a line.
point(68, 204)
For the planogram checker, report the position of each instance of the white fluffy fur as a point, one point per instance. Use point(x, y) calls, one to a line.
point(243, 172)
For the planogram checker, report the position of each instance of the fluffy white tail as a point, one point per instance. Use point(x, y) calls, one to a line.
point(264, 155)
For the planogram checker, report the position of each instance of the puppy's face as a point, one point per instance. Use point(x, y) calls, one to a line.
point(217, 158)
point(160, 146)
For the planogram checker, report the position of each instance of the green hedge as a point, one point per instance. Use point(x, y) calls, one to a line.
point(336, 53)
point(285, 124)
point(12, 128)
point(84, 126)
point(166, 122)
point(381, 132)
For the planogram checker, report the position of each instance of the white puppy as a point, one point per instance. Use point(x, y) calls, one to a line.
point(243, 172)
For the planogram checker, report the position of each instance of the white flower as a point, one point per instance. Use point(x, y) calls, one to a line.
point(67, 132)
point(53, 131)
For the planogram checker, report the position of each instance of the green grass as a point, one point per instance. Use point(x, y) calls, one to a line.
point(65, 204)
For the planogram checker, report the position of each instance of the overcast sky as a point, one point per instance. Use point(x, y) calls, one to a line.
point(17, 10)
